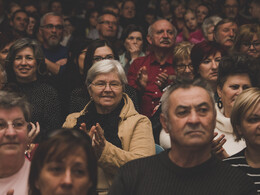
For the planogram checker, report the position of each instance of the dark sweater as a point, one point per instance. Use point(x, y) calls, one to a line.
point(45, 106)
point(159, 175)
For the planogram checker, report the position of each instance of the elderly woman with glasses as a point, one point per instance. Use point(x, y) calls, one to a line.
point(119, 133)
point(248, 40)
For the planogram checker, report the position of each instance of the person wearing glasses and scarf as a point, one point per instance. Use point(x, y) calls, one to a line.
point(119, 133)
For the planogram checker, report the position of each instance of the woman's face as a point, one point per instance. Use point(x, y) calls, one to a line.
point(102, 53)
point(251, 48)
point(31, 25)
point(233, 86)
point(4, 52)
point(250, 127)
point(25, 66)
point(134, 42)
point(191, 21)
point(68, 176)
point(208, 68)
point(106, 91)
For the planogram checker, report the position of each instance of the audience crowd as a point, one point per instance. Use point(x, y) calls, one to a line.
point(129, 97)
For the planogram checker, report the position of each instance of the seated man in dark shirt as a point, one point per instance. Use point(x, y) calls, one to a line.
point(189, 116)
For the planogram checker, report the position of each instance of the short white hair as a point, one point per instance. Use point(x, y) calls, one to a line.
point(103, 67)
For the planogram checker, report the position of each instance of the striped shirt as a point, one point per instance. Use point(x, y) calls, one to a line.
point(239, 160)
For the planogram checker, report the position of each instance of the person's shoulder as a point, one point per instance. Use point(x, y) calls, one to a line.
point(236, 158)
point(145, 162)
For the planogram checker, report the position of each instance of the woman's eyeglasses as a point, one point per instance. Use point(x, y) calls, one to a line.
point(107, 57)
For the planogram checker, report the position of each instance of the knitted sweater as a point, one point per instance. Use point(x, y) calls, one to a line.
point(157, 175)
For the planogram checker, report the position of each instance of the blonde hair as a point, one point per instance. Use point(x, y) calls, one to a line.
point(244, 103)
point(182, 51)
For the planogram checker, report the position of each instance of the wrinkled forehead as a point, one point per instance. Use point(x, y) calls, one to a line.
point(53, 20)
point(162, 25)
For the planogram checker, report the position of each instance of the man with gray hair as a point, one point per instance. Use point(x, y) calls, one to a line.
point(188, 167)
point(151, 73)
point(51, 31)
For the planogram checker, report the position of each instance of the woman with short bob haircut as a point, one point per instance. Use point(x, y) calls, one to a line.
point(245, 120)
point(65, 149)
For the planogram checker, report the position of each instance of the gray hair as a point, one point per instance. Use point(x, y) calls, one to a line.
point(9, 100)
point(185, 84)
point(209, 22)
point(103, 67)
point(150, 28)
point(43, 18)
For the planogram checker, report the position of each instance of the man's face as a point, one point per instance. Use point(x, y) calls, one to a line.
point(254, 11)
point(128, 11)
point(225, 34)
point(107, 28)
point(20, 22)
point(230, 8)
point(191, 118)
point(162, 35)
point(52, 31)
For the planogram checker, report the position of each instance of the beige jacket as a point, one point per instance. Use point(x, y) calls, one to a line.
point(135, 133)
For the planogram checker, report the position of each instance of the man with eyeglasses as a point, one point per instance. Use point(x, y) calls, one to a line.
point(14, 121)
point(107, 26)
point(150, 74)
point(51, 31)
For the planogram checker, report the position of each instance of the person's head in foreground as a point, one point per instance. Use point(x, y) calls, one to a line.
point(14, 119)
point(65, 163)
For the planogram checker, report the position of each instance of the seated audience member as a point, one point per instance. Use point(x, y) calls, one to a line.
point(202, 12)
point(182, 60)
point(191, 31)
point(248, 40)
point(64, 164)
point(134, 40)
point(119, 133)
point(91, 24)
point(55, 54)
point(97, 50)
point(150, 74)
point(178, 12)
point(184, 68)
point(225, 32)
point(26, 69)
point(205, 58)
point(19, 22)
point(235, 74)
point(189, 115)
point(254, 10)
point(208, 26)
point(165, 11)
point(33, 25)
point(128, 13)
point(5, 43)
point(14, 127)
point(245, 120)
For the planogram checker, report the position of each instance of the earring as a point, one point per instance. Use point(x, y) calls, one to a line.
point(219, 103)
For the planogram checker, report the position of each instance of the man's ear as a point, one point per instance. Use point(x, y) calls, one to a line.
point(164, 122)
point(149, 39)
